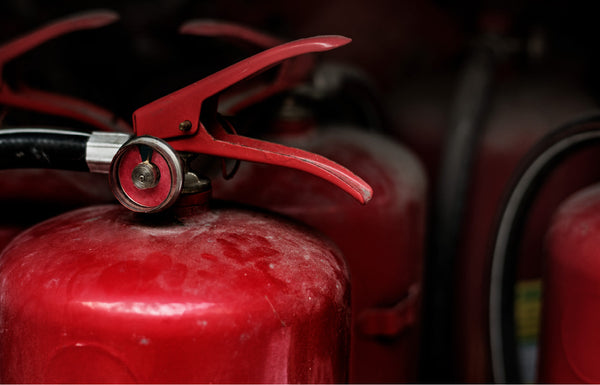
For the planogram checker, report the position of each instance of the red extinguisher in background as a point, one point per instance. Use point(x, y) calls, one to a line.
point(567, 349)
point(199, 293)
point(500, 110)
point(383, 245)
point(32, 195)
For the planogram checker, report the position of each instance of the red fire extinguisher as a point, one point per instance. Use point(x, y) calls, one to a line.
point(61, 190)
point(197, 293)
point(482, 148)
point(569, 340)
point(383, 245)
point(567, 348)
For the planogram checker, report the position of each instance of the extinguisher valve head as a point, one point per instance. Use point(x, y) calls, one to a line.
point(146, 175)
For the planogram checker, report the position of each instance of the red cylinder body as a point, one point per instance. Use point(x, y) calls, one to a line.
point(570, 342)
point(382, 242)
point(104, 295)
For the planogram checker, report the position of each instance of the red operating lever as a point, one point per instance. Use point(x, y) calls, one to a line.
point(50, 103)
point(291, 73)
point(177, 118)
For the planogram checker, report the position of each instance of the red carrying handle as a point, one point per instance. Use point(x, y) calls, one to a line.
point(291, 73)
point(176, 118)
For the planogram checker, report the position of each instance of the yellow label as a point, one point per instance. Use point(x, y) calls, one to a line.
point(528, 305)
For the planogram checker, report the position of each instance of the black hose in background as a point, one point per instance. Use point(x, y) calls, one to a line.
point(526, 183)
point(346, 92)
point(43, 148)
point(468, 114)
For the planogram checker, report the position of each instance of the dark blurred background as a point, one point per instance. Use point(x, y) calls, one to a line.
point(127, 64)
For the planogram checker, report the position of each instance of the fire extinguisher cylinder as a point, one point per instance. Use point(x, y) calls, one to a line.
point(199, 294)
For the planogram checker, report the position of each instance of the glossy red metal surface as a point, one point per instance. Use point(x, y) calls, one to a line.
point(382, 242)
point(105, 295)
point(570, 343)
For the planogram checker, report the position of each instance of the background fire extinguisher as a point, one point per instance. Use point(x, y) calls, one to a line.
point(384, 244)
point(29, 196)
point(568, 272)
point(196, 294)
point(568, 342)
point(508, 97)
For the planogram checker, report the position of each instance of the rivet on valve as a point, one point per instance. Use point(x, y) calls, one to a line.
point(186, 125)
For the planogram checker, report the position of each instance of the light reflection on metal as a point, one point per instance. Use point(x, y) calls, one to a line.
point(149, 309)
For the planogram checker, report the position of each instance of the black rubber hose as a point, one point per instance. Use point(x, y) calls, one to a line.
point(43, 148)
point(469, 113)
point(346, 91)
point(526, 183)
